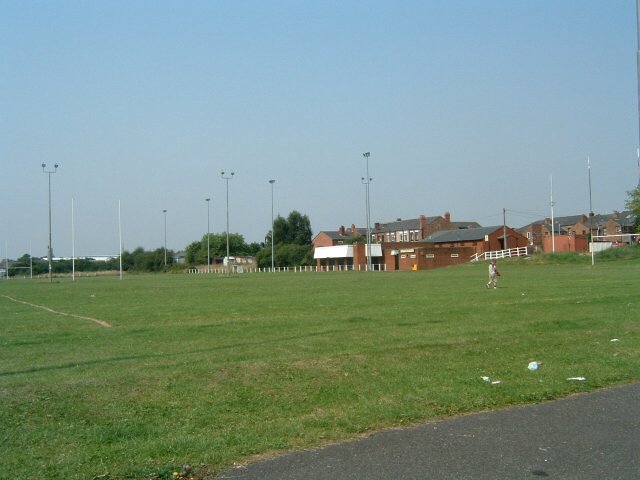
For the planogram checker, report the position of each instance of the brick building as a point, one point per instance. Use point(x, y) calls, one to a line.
point(539, 233)
point(342, 236)
point(416, 229)
point(481, 240)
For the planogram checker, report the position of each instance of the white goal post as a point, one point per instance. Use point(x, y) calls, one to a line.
point(620, 238)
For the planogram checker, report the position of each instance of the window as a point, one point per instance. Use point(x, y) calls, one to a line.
point(454, 255)
point(529, 235)
point(430, 255)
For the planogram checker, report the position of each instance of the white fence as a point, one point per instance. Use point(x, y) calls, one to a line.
point(322, 268)
point(496, 254)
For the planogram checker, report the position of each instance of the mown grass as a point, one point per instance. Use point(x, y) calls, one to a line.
point(210, 370)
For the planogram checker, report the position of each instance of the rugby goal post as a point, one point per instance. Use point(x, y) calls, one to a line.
point(603, 242)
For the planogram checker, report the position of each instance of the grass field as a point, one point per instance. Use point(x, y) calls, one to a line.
point(207, 370)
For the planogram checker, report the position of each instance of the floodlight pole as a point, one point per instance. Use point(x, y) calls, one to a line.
point(165, 237)
point(272, 248)
point(73, 246)
point(49, 255)
point(120, 237)
point(553, 228)
point(208, 234)
point(591, 246)
point(638, 74)
point(227, 178)
point(367, 181)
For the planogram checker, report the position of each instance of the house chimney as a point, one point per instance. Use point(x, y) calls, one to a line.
point(615, 215)
point(354, 230)
point(377, 225)
point(423, 226)
point(447, 217)
point(341, 230)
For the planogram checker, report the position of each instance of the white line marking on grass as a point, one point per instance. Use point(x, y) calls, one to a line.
point(99, 322)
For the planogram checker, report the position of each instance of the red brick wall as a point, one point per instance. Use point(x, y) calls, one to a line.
point(424, 257)
point(322, 240)
point(567, 243)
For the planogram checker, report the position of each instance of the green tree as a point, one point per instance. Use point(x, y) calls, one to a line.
point(141, 260)
point(286, 255)
point(292, 240)
point(295, 229)
point(196, 252)
point(633, 204)
point(354, 239)
point(25, 262)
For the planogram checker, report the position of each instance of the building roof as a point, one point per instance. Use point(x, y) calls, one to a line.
point(465, 225)
point(402, 225)
point(461, 235)
point(336, 235)
point(626, 218)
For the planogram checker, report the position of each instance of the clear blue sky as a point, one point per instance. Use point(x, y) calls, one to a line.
point(467, 106)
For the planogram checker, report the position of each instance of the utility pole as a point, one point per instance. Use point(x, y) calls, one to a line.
point(504, 228)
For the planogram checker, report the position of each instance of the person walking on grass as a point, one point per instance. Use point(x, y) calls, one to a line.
point(493, 274)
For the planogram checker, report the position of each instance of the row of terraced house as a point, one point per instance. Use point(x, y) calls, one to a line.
point(437, 241)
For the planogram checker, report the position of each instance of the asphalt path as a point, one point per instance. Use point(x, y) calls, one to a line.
point(582, 437)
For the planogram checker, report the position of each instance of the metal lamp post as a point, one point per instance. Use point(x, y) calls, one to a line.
point(50, 253)
point(227, 178)
point(591, 245)
point(208, 246)
point(367, 181)
point(272, 248)
point(165, 237)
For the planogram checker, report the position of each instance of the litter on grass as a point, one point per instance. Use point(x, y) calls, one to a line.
point(533, 366)
point(615, 339)
point(495, 382)
point(577, 379)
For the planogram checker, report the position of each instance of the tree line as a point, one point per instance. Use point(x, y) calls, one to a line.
point(291, 245)
point(291, 240)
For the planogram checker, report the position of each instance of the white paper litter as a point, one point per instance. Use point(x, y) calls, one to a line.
point(533, 366)
point(577, 379)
